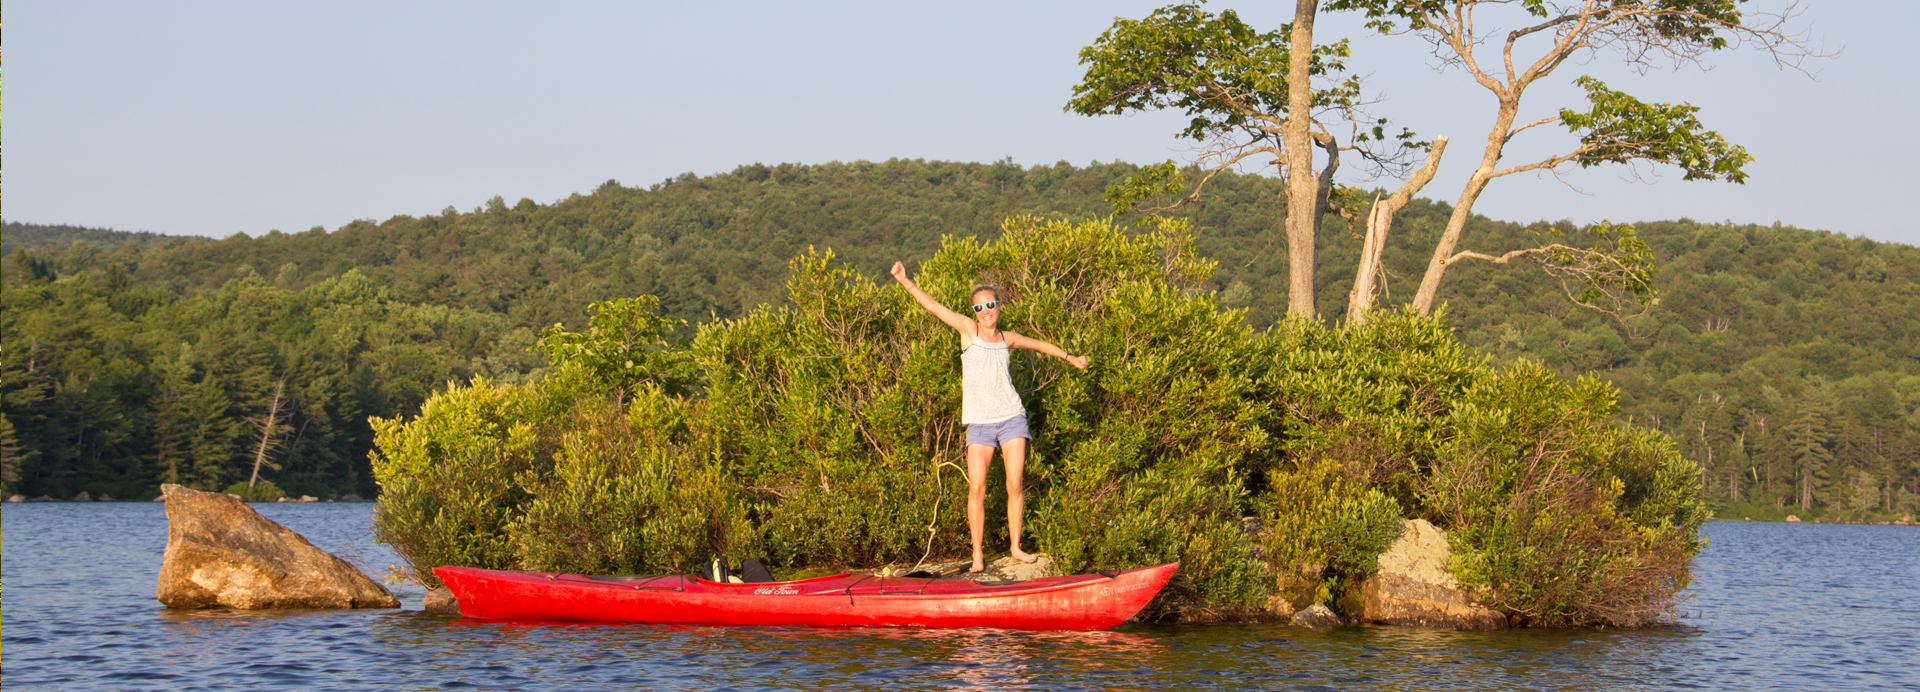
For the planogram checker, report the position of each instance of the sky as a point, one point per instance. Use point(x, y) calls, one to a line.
point(215, 118)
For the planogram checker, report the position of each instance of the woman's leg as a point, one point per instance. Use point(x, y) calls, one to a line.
point(1013, 453)
point(978, 458)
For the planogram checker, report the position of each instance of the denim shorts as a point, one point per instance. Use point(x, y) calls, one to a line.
point(993, 434)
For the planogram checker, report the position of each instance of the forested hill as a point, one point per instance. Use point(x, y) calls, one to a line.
point(1787, 360)
point(16, 234)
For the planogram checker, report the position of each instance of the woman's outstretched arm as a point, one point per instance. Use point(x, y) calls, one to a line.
point(1030, 343)
point(953, 319)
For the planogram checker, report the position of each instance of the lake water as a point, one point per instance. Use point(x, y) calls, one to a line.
point(1774, 606)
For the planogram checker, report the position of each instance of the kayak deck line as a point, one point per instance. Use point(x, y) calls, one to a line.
point(1083, 601)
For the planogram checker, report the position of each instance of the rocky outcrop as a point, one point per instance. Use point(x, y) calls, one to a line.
point(1317, 616)
point(1001, 570)
point(16, 498)
point(221, 553)
point(441, 601)
point(1413, 586)
point(82, 497)
point(1791, 519)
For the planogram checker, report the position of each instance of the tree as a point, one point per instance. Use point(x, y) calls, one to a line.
point(623, 347)
point(1807, 450)
point(1617, 128)
point(1247, 97)
point(271, 430)
point(10, 455)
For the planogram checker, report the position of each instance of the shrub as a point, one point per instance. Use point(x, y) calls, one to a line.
point(627, 495)
point(264, 491)
point(1323, 532)
point(1557, 514)
point(453, 478)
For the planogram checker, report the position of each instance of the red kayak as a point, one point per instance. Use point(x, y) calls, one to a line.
point(1080, 602)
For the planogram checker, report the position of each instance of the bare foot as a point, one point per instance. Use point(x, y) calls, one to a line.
point(1022, 556)
point(977, 568)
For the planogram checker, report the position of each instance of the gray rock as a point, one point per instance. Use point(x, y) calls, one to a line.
point(1009, 569)
point(1316, 616)
point(441, 601)
point(221, 553)
point(308, 498)
point(1003, 569)
point(1793, 519)
point(82, 497)
point(43, 498)
point(350, 497)
point(1414, 587)
point(105, 498)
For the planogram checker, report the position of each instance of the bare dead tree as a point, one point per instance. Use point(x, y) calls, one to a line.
point(271, 430)
point(1618, 128)
point(1366, 284)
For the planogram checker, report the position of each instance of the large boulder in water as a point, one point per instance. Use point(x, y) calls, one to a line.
point(221, 553)
point(1413, 586)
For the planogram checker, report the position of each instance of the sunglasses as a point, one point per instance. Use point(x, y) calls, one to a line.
point(983, 307)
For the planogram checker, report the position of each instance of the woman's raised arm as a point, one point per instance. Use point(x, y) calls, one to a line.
point(1032, 344)
point(953, 319)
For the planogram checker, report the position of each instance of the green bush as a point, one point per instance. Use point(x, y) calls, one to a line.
point(453, 478)
point(1559, 515)
point(1323, 532)
point(627, 495)
point(263, 491)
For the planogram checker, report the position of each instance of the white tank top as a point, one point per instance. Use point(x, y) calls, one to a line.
point(986, 384)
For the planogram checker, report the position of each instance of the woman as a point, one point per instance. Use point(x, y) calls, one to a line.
point(989, 406)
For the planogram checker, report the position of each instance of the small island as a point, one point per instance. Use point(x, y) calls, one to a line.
point(1276, 465)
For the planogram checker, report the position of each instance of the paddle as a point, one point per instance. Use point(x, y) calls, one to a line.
point(923, 574)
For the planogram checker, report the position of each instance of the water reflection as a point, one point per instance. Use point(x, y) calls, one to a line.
point(799, 658)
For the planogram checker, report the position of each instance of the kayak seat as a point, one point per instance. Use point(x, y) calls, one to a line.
point(716, 571)
point(752, 572)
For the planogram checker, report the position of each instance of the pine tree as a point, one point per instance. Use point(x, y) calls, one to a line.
point(1807, 451)
point(10, 455)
